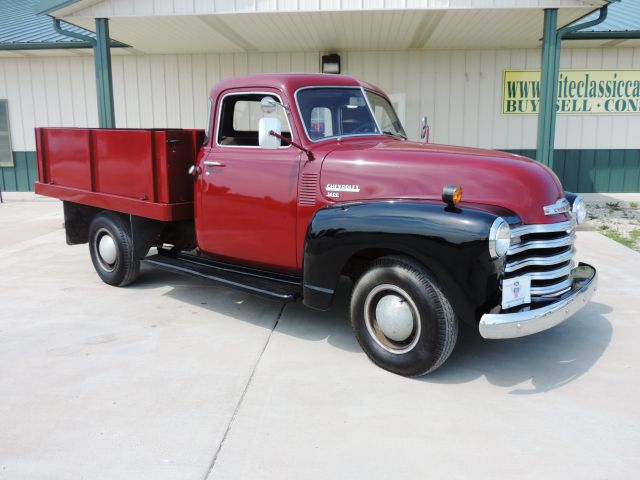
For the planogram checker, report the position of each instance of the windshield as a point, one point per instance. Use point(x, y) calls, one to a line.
point(337, 112)
point(385, 115)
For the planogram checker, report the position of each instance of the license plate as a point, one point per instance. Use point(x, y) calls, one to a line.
point(516, 291)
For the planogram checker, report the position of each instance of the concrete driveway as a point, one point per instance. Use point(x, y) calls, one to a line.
point(173, 378)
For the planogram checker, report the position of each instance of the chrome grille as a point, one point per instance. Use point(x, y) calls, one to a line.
point(544, 253)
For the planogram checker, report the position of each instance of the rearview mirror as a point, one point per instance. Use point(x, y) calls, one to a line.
point(268, 105)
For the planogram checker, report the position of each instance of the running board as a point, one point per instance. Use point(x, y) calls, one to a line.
point(272, 285)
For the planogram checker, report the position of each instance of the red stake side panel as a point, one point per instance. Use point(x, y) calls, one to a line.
point(141, 172)
point(166, 212)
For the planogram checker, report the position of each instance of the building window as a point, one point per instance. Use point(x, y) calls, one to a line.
point(6, 158)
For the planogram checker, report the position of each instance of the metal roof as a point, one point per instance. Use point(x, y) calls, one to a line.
point(22, 29)
point(623, 16)
point(48, 6)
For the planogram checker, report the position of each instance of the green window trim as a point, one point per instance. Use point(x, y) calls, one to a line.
point(6, 157)
point(21, 176)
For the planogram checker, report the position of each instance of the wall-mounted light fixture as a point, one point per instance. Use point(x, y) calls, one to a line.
point(331, 63)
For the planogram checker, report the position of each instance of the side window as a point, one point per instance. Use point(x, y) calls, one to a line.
point(239, 118)
point(6, 157)
point(384, 120)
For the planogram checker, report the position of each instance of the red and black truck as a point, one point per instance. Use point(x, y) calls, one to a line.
point(299, 179)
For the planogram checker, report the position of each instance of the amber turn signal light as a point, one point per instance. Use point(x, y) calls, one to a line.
point(452, 194)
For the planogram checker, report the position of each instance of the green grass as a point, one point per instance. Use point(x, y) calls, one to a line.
point(618, 237)
point(635, 234)
point(633, 204)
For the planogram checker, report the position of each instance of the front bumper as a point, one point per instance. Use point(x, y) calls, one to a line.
point(529, 321)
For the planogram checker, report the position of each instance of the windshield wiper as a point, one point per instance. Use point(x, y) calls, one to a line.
point(394, 134)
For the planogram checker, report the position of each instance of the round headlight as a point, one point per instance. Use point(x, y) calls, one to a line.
point(579, 210)
point(499, 238)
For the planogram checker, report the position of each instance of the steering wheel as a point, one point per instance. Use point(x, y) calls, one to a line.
point(365, 128)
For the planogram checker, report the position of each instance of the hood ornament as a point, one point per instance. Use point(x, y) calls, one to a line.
point(561, 206)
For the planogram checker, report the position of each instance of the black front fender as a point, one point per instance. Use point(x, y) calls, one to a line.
point(451, 242)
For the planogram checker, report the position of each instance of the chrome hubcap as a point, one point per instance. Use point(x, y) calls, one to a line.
point(392, 318)
point(107, 251)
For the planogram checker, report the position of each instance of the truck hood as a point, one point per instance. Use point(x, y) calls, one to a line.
point(376, 168)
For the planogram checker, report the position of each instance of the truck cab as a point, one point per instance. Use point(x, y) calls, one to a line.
point(299, 179)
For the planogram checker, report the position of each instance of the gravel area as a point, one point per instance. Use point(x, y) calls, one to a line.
point(617, 220)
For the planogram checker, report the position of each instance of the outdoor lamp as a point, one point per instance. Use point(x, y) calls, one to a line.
point(331, 63)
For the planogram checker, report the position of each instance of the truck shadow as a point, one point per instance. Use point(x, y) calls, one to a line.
point(295, 320)
point(533, 364)
point(528, 365)
point(199, 297)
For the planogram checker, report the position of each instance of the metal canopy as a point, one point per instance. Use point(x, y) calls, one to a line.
point(337, 30)
point(152, 26)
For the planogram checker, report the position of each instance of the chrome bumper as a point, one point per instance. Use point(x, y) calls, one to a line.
point(527, 322)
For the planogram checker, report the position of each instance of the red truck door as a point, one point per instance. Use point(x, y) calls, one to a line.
point(246, 195)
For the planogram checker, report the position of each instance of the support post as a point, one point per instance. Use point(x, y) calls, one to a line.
point(102, 60)
point(104, 82)
point(549, 73)
point(548, 88)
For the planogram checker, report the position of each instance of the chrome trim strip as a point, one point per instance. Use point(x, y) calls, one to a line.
point(328, 291)
point(543, 228)
point(527, 322)
point(551, 274)
point(558, 242)
point(550, 260)
point(552, 290)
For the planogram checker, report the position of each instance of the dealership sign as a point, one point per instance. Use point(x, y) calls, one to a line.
point(579, 92)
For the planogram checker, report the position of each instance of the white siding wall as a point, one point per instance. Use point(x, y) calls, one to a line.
point(55, 91)
point(460, 92)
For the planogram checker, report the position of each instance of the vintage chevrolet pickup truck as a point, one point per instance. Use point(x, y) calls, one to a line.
point(299, 179)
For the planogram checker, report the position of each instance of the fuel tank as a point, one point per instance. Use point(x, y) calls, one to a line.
point(387, 168)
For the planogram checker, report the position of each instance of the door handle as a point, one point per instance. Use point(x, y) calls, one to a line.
point(209, 163)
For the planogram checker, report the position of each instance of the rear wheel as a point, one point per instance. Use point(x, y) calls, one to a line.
point(112, 249)
point(401, 318)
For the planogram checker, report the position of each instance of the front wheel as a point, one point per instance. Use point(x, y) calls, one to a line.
point(112, 249)
point(401, 318)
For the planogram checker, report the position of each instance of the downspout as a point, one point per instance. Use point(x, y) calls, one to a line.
point(102, 61)
point(549, 72)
